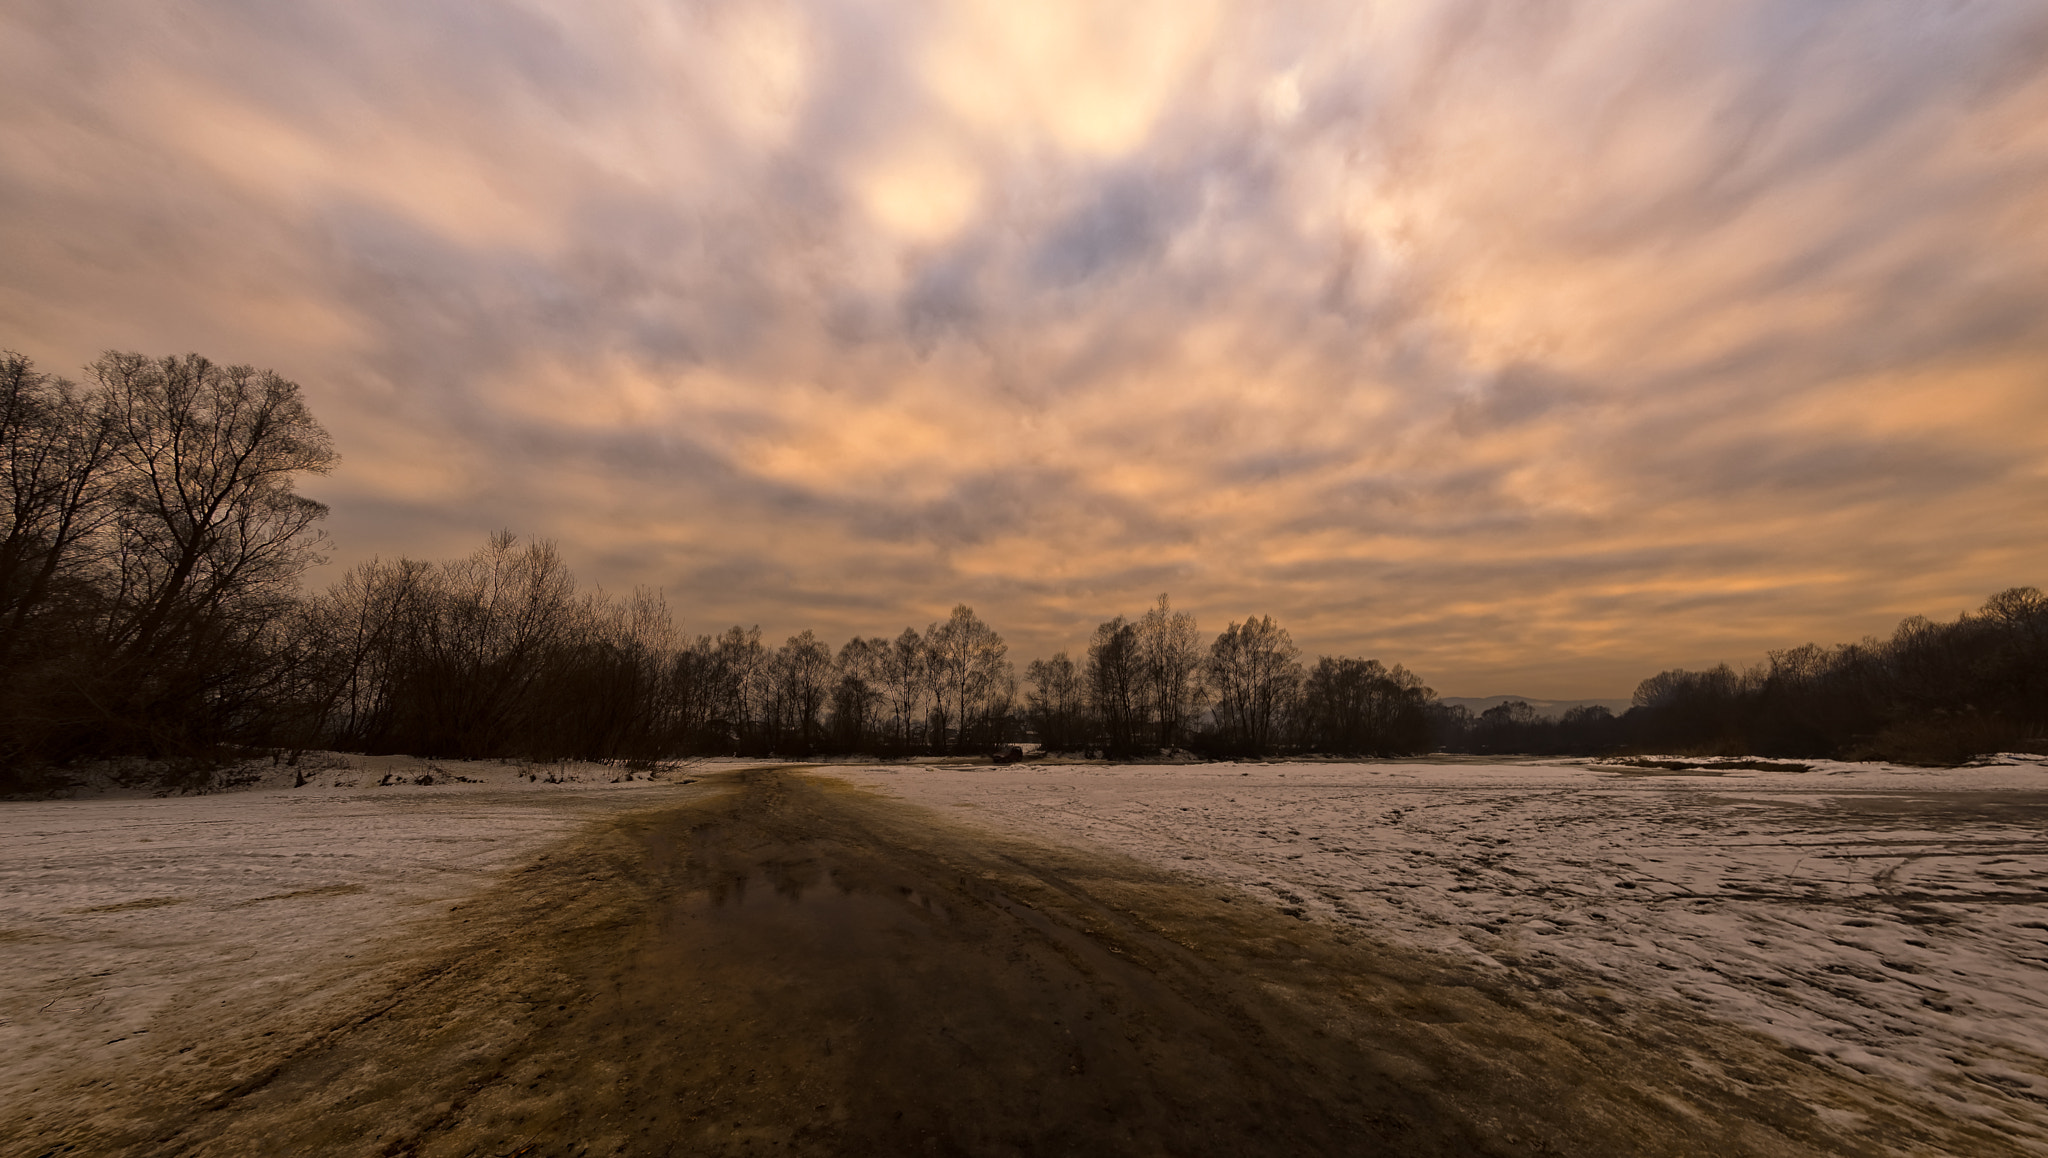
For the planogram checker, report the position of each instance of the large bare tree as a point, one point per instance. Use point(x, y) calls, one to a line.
point(1255, 669)
point(208, 514)
point(903, 673)
point(858, 689)
point(803, 667)
point(152, 521)
point(1170, 659)
point(972, 673)
point(1116, 684)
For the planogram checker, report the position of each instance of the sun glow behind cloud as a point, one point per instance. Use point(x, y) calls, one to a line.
point(1535, 346)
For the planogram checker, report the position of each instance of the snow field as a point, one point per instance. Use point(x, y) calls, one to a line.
point(137, 931)
point(1885, 921)
point(1889, 920)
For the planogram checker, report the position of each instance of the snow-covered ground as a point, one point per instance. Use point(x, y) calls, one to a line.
point(1887, 919)
point(123, 915)
point(1890, 920)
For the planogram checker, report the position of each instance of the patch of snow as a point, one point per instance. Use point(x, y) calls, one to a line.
point(1886, 919)
point(123, 916)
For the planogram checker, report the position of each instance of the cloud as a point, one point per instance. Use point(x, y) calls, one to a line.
point(1538, 347)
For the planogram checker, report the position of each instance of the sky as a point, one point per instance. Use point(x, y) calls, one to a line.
point(1537, 346)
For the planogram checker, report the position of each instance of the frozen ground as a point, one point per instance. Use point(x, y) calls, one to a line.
point(126, 920)
point(1885, 920)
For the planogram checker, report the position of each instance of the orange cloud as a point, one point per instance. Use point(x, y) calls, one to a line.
point(1536, 347)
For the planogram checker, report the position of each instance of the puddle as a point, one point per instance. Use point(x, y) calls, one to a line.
point(812, 908)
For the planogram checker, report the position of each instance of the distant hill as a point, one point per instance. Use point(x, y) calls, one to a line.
point(1551, 708)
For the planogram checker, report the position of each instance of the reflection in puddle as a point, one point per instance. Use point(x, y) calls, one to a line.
point(807, 887)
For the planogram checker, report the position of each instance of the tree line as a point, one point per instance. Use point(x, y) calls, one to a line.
point(1148, 685)
point(500, 655)
point(1931, 693)
point(150, 605)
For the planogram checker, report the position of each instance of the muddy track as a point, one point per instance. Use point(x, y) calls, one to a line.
point(799, 967)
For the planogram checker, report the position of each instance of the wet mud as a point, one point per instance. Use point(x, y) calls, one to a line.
point(798, 967)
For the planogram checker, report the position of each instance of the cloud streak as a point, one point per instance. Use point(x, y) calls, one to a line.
point(1536, 346)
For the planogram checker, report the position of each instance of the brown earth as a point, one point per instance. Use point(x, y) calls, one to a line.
point(798, 967)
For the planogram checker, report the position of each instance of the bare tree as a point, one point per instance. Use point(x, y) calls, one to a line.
point(1116, 676)
point(904, 674)
point(1361, 706)
point(804, 672)
point(208, 514)
point(357, 630)
point(55, 491)
point(496, 654)
point(1170, 658)
point(742, 666)
point(996, 714)
point(602, 692)
point(970, 669)
point(695, 701)
point(1057, 703)
point(159, 505)
point(1255, 669)
point(478, 655)
point(939, 719)
point(858, 690)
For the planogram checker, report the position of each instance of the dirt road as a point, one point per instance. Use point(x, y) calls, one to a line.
point(799, 967)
